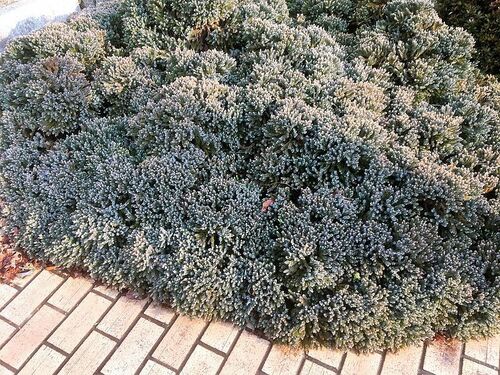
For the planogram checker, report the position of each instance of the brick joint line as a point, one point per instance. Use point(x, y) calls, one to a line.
point(124, 335)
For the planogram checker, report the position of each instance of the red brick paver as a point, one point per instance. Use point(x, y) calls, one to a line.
point(51, 323)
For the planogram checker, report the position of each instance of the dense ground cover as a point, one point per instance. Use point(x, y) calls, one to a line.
point(327, 170)
point(481, 18)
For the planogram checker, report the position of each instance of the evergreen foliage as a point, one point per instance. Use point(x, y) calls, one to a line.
point(324, 169)
point(481, 18)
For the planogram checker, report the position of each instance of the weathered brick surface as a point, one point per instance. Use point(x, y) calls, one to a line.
point(30, 336)
point(443, 358)
point(202, 362)
point(473, 368)
point(44, 362)
point(220, 335)
point(89, 356)
point(405, 361)
point(361, 364)
point(282, 361)
point(37, 342)
point(134, 349)
point(330, 357)
point(6, 293)
point(107, 291)
point(79, 323)
point(6, 330)
point(240, 360)
point(21, 308)
point(311, 368)
point(160, 313)
point(70, 293)
point(25, 277)
point(487, 351)
point(118, 320)
point(153, 368)
point(178, 341)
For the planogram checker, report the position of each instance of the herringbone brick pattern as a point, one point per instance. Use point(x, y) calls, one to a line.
point(51, 323)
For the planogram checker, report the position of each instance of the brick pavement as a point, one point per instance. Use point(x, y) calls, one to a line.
point(51, 323)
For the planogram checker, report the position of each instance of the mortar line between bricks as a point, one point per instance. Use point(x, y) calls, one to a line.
point(166, 328)
point(10, 336)
point(11, 298)
point(341, 363)
point(111, 299)
point(124, 335)
point(21, 288)
point(65, 314)
point(60, 273)
point(479, 362)
point(155, 360)
point(38, 347)
point(20, 326)
point(322, 364)
point(105, 334)
point(233, 344)
point(7, 366)
point(193, 347)
point(64, 279)
point(55, 348)
point(56, 308)
point(66, 360)
point(155, 321)
point(9, 322)
point(212, 349)
point(301, 364)
point(16, 287)
point(264, 359)
point(461, 363)
point(422, 358)
point(382, 361)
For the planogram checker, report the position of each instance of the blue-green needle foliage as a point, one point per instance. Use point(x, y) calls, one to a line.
point(327, 170)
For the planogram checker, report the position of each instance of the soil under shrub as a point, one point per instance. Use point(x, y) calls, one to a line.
point(326, 170)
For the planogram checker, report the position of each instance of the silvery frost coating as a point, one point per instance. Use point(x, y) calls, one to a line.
point(326, 170)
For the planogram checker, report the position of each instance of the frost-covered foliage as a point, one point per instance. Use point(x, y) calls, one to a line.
point(326, 170)
point(482, 19)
